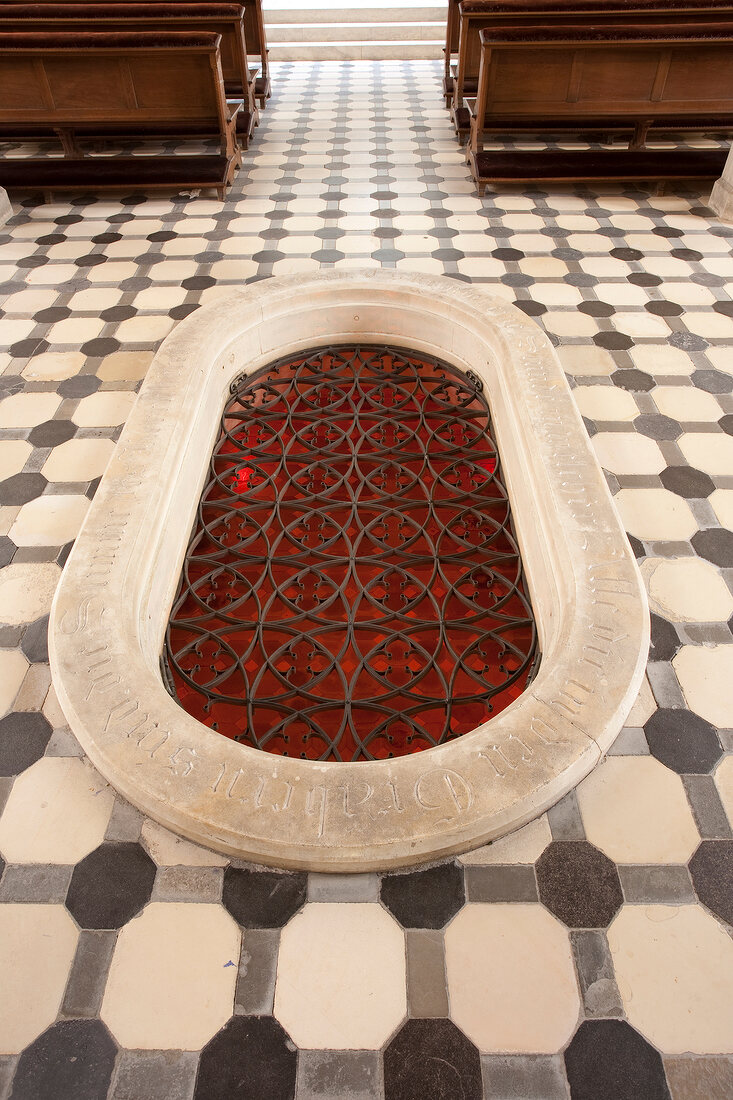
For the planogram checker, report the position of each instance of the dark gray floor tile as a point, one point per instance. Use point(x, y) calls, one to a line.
point(706, 1078)
point(339, 1075)
point(427, 995)
point(707, 809)
point(43, 883)
point(85, 988)
point(188, 884)
point(656, 884)
point(596, 975)
point(255, 991)
point(155, 1075)
point(524, 1077)
point(125, 821)
point(8, 1062)
point(565, 820)
point(511, 882)
point(343, 887)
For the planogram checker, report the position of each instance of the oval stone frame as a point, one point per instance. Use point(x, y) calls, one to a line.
point(112, 605)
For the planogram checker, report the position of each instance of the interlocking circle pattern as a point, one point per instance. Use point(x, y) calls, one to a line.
point(353, 588)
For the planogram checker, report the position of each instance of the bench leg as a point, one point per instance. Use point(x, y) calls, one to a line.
point(640, 131)
point(70, 145)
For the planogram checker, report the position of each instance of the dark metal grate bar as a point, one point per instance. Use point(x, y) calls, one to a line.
point(353, 588)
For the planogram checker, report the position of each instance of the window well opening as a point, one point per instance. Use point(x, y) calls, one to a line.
point(353, 588)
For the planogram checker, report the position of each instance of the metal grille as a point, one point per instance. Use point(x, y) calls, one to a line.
point(353, 588)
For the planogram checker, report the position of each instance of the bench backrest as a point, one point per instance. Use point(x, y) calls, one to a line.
point(603, 72)
point(478, 15)
point(254, 25)
point(101, 78)
point(226, 20)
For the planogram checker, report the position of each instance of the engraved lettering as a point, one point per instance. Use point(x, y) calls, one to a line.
point(177, 761)
point(444, 790)
point(311, 807)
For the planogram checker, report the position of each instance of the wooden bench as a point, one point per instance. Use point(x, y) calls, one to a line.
point(477, 15)
point(224, 19)
point(254, 35)
point(452, 28)
point(603, 76)
point(110, 86)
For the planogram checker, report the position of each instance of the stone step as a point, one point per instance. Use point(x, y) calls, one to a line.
point(354, 32)
point(361, 14)
point(356, 51)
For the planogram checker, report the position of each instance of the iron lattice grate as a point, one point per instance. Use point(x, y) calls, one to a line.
point(353, 589)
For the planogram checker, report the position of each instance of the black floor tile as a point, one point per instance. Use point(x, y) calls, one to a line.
point(579, 884)
point(711, 869)
point(424, 899)
point(263, 899)
point(73, 1060)
point(251, 1058)
point(609, 1060)
point(683, 741)
point(23, 739)
point(432, 1060)
point(110, 885)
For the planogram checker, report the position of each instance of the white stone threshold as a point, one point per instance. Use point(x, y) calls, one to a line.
point(112, 606)
point(6, 210)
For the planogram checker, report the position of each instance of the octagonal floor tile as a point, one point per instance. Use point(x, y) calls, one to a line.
point(57, 812)
point(605, 403)
point(636, 811)
point(26, 591)
point(625, 453)
point(523, 846)
point(711, 452)
point(13, 456)
point(171, 981)
point(341, 982)
point(49, 520)
point(106, 409)
point(74, 1058)
point(674, 968)
point(687, 590)
point(724, 783)
point(13, 667)
point(78, 460)
point(705, 674)
point(169, 850)
point(685, 403)
point(37, 946)
point(511, 978)
point(428, 1058)
point(24, 410)
point(722, 503)
point(655, 514)
point(609, 1060)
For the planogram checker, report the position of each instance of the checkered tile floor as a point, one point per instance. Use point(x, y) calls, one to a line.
point(586, 956)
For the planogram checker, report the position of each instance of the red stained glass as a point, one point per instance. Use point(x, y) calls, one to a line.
point(353, 588)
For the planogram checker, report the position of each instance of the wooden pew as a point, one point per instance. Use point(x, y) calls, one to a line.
point(110, 86)
point(450, 49)
point(478, 15)
point(254, 32)
point(224, 19)
point(254, 35)
point(604, 76)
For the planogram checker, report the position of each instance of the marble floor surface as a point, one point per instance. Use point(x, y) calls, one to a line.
point(587, 956)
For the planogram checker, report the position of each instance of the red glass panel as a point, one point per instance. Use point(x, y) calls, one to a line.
point(353, 589)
